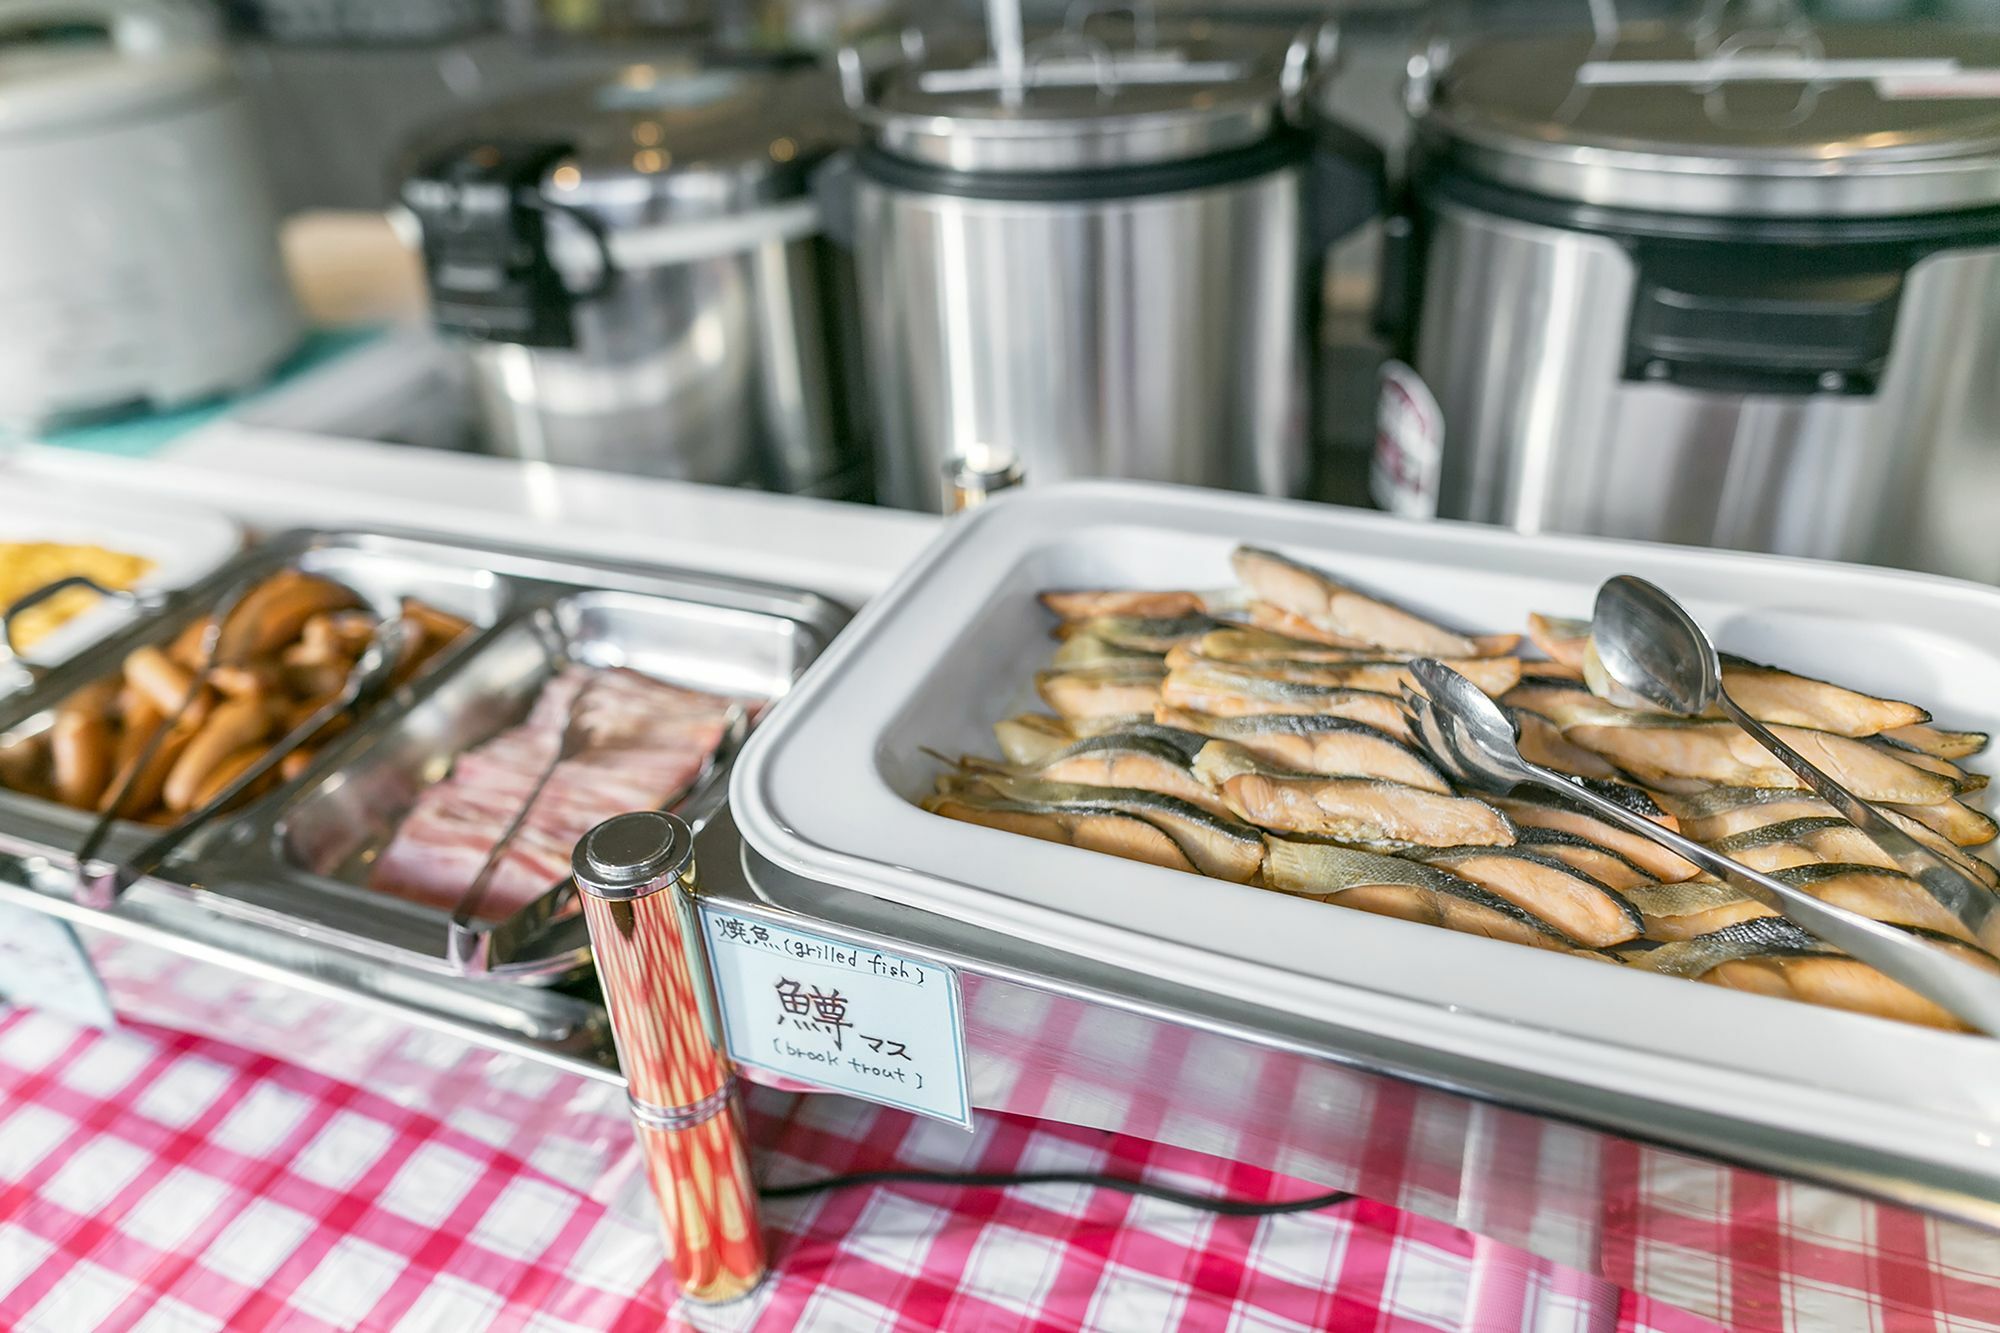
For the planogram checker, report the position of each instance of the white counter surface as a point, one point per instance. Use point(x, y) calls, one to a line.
point(279, 479)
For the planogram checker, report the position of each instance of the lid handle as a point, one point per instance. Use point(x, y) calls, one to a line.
point(859, 63)
point(1145, 18)
point(1310, 60)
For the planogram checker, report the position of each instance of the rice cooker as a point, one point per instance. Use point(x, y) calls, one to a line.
point(139, 261)
point(1730, 288)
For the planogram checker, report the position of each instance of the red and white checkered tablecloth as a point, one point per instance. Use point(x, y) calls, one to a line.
point(152, 1180)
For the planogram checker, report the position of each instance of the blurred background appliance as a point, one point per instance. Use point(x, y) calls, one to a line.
point(1711, 284)
point(1094, 253)
point(634, 271)
point(138, 242)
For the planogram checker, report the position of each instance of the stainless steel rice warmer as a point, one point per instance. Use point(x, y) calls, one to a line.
point(1736, 288)
point(635, 269)
point(1099, 264)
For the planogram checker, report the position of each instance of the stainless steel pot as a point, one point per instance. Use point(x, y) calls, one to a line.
point(636, 272)
point(1096, 264)
point(1734, 289)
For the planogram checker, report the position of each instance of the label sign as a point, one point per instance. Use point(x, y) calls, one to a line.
point(1409, 445)
point(846, 1016)
point(43, 966)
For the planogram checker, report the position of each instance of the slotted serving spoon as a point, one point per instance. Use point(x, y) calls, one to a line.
point(1475, 743)
point(1651, 647)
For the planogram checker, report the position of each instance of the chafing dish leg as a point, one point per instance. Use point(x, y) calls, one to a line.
point(636, 874)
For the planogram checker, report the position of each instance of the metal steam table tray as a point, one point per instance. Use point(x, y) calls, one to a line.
point(281, 883)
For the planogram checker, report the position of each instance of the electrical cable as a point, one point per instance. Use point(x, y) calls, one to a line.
point(1006, 1180)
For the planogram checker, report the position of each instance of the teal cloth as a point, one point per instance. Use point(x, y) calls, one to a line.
point(147, 433)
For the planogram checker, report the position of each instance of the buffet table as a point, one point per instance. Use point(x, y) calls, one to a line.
point(255, 1064)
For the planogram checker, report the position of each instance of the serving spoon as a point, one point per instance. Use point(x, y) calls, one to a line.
point(1476, 743)
point(1652, 648)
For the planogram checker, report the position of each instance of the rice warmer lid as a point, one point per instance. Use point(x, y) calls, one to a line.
point(666, 142)
point(88, 66)
point(1192, 91)
point(1791, 122)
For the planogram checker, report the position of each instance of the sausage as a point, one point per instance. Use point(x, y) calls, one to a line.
point(275, 611)
point(442, 626)
point(297, 762)
point(318, 645)
point(187, 645)
point(146, 787)
point(234, 724)
point(22, 761)
point(316, 682)
point(241, 679)
point(81, 741)
point(163, 680)
point(226, 772)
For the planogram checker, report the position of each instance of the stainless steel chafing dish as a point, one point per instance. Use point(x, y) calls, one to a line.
point(278, 887)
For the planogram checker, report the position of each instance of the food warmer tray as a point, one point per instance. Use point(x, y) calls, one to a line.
point(279, 886)
point(825, 796)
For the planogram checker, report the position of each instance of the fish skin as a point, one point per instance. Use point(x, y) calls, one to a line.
point(1150, 759)
point(1110, 690)
point(1722, 753)
point(1718, 812)
point(1087, 650)
point(1331, 605)
point(1240, 643)
point(1217, 845)
point(1936, 740)
point(1140, 634)
point(1321, 746)
point(1093, 830)
point(1879, 894)
point(1086, 604)
point(1757, 937)
point(1222, 693)
point(1954, 820)
point(1543, 811)
point(1569, 703)
point(1542, 742)
point(1364, 810)
point(1581, 906)
point(1561, 638)
point(1333, 873)
point(1800, 842)
point(1494, 675)
point(1028, 738)
point(1277, 620)
point(1692, 908)
point(1732, 814)
point(1593, 859)
point(1775, 695)
point(1963, 782)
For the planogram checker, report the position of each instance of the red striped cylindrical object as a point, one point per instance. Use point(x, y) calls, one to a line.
point(635, 874)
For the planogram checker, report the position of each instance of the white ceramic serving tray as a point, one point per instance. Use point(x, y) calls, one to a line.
point(827, 789)
point(184, 542)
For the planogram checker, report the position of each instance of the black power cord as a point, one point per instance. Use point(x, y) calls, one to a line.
point(1006, 1180)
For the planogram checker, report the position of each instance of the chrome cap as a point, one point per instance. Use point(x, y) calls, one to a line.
point(631, 856)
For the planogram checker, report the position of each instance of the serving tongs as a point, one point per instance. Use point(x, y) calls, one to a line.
point(1477, 744)
point(1652, 649)
point(547, 938)
point(99, 882)
point(15, 662)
